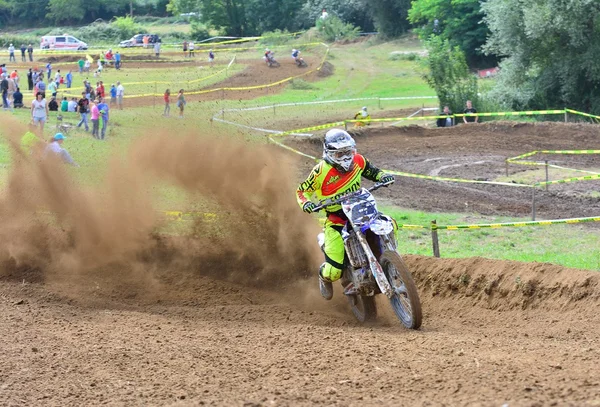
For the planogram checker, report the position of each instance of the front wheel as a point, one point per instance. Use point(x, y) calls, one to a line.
point(363, 308)
point(405, 301)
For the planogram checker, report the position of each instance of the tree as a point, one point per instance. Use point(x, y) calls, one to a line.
point(448, 74)
point(458, 21)
point(390, 16)
point(551, 50)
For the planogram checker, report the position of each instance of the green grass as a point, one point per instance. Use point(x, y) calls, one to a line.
point(538, 174)
point(567, 245)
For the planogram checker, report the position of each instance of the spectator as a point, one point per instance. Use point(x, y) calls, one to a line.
point(470, 110)
point(11, 53)
point(120, 94)
point(362, 114)
point(447, 121)
point(101, 88)
point(72, 105)
point(103, 108)
point(181, 103)
point(23, 49)
point(167, 98)
point(49, 71)
point(41, 87)
point(86, 65)
point(113, 95)
point(83, 106)
point(39, 111)
point(80, 64)
point(30, 79)
point(69, 78)
point(4, 89)
point(30, 52)
point(55, 147)
point(64, 105)
point(185, 48)
point(52, 88)
point(94, 114)
point(191, 46)
point(145, 41)
point(118, 60)
point(14, 75)
point(18, 98)
point(157, 49)
point(211, 56)
point(12, 88)
point(324, 14)
point(53, 105)
point(87, 89)
point(57, 77)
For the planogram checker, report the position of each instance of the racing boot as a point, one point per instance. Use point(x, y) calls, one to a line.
point(326, 287)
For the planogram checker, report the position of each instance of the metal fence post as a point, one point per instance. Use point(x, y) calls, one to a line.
point(345, 125)
point(506, 162)
point(566, 118)
point(546, 161)
point(533, 203)
point(434, 239)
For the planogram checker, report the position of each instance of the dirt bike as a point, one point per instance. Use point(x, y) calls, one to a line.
point(372, 265)
point(300, 62)
point(271, 62)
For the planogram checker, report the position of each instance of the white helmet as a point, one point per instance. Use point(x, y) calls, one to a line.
point(294, 50)
point(364, 108)
point(267, 50)
point(339, 149)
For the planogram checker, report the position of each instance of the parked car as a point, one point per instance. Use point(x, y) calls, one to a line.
point(65, 41)
point(138, 40)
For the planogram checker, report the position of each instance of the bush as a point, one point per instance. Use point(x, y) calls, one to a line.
point(17, 41)
point(301, 84)
point(400, 56)
point(199, 31)
point(448, 74)
point(334, 29)
point(121, 28)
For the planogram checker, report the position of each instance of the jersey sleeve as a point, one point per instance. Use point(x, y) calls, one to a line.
point(371, 172)
point(307, 188)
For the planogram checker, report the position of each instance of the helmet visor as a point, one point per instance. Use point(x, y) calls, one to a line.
point(342, 154)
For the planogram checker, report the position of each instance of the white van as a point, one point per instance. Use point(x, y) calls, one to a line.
point(65, 41)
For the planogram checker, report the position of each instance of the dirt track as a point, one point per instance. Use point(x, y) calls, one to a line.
point(478, 153)
point(507, 333)
point(494, 332)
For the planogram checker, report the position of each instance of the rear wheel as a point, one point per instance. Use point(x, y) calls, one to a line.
point(405, 301)
point(363, 308)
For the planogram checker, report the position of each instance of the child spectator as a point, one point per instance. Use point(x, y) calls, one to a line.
point(181, 103)
point(167, 98)
point(18, 98)
point(113, 95)
point(64, 105)
point(53, 105)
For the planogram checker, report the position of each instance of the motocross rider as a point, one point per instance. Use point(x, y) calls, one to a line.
point(295, 54)
point(339, 172)
point(362, 114)
point(268, 55)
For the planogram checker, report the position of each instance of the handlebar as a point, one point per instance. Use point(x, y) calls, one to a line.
point(333, 201)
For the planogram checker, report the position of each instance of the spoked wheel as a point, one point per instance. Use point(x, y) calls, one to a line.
point(363, 308)
point(405, 302)
point(274, 64)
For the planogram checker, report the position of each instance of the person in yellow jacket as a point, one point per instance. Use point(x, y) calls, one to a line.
point(338, 173)
point(362, 114)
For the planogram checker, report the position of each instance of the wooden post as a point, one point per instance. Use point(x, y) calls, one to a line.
point(566, 118)
point(546, 161)
point(434, 239)
point(533, 203)
point(345, 125)
point(506, 162)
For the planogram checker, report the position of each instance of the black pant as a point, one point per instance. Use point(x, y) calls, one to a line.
point(30, 85)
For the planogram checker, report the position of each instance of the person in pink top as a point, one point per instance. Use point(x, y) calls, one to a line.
point(95, 119)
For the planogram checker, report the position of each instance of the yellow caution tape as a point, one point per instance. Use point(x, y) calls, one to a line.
point(517, 224)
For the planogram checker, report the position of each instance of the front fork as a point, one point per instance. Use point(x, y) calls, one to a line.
point(374, 266)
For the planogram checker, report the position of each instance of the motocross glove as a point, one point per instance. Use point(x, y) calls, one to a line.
point(386, 178)
point(309, 207)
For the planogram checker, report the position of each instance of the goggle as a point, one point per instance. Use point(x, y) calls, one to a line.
point(339, 154)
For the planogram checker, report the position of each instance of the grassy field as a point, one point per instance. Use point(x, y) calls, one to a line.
point(363, 69)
